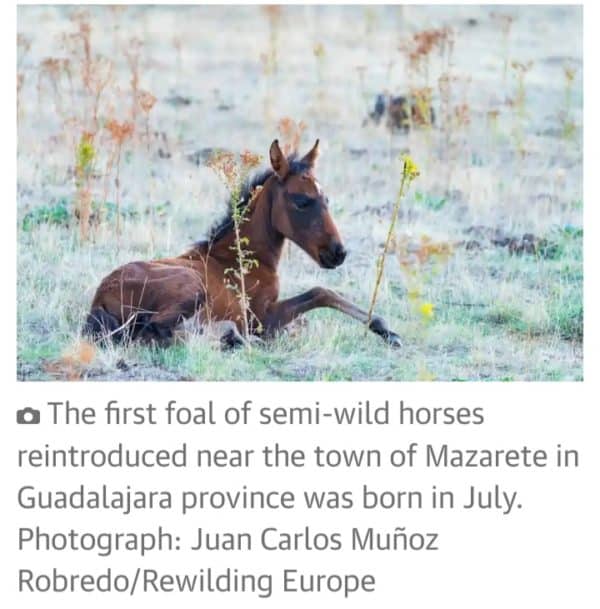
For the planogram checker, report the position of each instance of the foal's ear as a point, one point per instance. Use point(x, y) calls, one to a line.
point(312, 155)
point(279, 162)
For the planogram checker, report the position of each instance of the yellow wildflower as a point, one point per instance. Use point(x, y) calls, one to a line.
point(426, 309)
point(425, 374)
point(319, 50)
point(414, 294)
point(85, 153)
point(410, 169)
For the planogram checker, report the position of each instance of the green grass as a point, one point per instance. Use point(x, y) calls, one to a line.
point(497, 317)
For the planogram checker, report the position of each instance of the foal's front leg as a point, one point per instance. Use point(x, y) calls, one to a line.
point(282, 313)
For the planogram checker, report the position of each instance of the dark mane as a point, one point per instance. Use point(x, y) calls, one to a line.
point(225, 224)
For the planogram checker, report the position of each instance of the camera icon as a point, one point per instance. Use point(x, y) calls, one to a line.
point(28, 416)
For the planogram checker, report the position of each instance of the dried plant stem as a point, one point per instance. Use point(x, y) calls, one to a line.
point(234, 174)
point(409, 172)
point(147, 128)
point(107, 173)
point(146, 102)
point(240, 258)
point(84, 202)
point(84, 167)
point(20, 82)
point(118, 191)
point(119, 132)
point(386, 245)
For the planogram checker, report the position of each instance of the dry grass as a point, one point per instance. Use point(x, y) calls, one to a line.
point(503, 160)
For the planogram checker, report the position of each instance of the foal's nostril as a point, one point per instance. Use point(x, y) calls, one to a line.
point(332, 256)
point(339, 253)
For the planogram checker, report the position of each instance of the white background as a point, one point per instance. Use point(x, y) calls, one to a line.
point(545, 555)
point(540, 556)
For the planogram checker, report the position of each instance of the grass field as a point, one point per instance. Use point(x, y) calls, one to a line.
point(485, 277)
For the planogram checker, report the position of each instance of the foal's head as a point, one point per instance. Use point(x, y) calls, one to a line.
point(299, 208)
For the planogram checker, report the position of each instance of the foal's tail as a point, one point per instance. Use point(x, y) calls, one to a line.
point(101, 324)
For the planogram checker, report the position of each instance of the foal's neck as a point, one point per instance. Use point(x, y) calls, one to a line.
point(263, 241)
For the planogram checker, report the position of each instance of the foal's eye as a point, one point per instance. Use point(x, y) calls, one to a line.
point(302, 201)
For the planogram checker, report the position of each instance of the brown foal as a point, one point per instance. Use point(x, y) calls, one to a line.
point(150, 299)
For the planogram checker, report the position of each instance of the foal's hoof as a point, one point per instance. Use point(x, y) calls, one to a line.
point(393, 340)
point(380, 328)
point(232, 340)
point(295, 328)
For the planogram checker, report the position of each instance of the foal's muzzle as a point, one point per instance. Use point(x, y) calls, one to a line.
point(332, 256)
